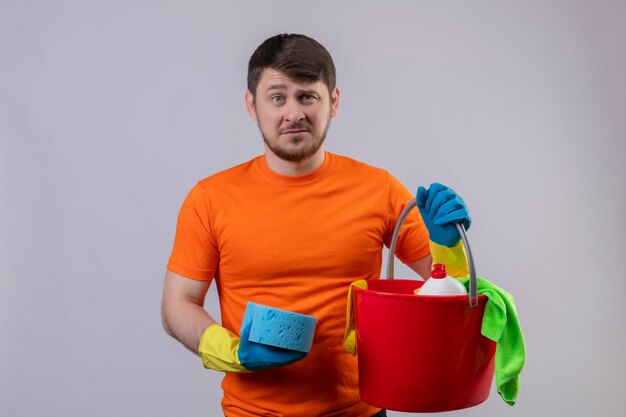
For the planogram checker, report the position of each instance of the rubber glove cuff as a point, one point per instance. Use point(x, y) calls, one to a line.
point(218, 349)
point(453, 258)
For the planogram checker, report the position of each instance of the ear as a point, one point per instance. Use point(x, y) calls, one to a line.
point(334, 102)
point(250, 106)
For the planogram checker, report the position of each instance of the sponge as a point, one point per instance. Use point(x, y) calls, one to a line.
point(279, 328)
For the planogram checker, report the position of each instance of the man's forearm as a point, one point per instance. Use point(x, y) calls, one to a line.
point(186, 322)
point(422, 266)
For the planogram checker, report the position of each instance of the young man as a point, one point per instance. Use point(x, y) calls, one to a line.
point(290, 229)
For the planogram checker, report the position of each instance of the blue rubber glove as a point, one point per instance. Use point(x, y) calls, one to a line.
point(440, 208)
point(256, 356)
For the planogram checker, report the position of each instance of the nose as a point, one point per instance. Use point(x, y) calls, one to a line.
point(294, 112)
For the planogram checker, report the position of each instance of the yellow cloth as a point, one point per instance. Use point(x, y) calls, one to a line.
point(349, 336)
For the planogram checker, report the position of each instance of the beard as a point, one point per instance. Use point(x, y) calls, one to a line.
point(299, 154)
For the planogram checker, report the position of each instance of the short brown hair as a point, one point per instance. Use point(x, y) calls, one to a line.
point(298, 56)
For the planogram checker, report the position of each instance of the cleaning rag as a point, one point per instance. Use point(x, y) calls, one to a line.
point(500, 324)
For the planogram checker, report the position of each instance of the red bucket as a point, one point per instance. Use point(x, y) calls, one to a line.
point(421, 353)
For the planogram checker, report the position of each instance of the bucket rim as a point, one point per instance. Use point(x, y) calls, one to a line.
point(448, 298)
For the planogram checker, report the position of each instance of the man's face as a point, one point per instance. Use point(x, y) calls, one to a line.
point(293, 117)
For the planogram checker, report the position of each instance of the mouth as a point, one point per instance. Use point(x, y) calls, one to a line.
point(294, 132)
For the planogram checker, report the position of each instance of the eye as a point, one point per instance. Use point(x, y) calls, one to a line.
point(277, 99)
point(307, 98)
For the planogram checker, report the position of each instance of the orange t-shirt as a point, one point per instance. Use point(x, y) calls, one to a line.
point(294, 243)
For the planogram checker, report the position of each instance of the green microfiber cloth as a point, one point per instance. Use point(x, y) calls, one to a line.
point(501, 325)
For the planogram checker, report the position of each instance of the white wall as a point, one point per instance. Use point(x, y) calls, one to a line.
point(111, 111)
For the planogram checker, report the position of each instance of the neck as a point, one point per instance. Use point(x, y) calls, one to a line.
point(289, 168)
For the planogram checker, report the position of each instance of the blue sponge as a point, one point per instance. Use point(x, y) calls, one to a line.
point(280, 328)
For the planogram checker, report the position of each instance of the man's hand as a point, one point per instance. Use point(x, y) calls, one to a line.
point(256, 356)
point(222, 350)
point(440, 208)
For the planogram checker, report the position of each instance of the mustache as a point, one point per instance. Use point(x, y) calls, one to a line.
point(295, 126)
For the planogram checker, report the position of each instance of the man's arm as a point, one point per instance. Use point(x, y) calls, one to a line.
point(182, 312)
point(185, 319)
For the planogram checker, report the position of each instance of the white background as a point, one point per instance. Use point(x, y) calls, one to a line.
point(111, 111)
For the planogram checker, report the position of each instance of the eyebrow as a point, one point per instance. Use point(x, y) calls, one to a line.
point(298, 90)
point(276, 87)
point(308, 92)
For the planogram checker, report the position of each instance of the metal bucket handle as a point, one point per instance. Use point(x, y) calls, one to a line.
point(473, 292)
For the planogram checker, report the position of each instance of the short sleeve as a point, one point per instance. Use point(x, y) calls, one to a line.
point(413, 237)
point(195, 254)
